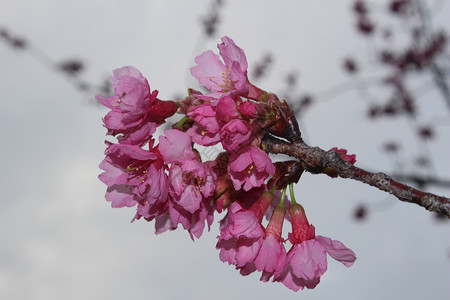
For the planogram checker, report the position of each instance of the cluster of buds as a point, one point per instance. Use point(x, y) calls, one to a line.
point(167, 179)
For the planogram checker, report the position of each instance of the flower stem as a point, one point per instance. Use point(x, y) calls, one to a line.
point(181, 122)
point(291, 191)
point(283, 194)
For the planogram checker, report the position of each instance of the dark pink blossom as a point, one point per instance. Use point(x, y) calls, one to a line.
point(205, 115)
point(154, 204)
point(164, 223)
point(135, 110)
point(226, 108)
point(133, 174)
point(132, 99)
point(200, 135)
point(190, 182)
point(191, 185)
point(251, 167)
point(236, 135)
point(249, 110)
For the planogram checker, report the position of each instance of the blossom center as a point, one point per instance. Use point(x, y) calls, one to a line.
point(251, 168)
point(194, 182)
point(139, 170)
point(119, 99)
point(224, 82)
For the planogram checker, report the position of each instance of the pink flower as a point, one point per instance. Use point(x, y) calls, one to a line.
point(249, 110)
point(205, 130)
point(175, 145)
point(194, 223)
point(200, 135)
point(191, 185)
point(271, 258)
point(307, 259)
point(190, 182)
point(135, 111)
point(150, 210)
point(226, 108)
point(236, 135)
point(131, 102)
point(240, 236)
point(127, 80)
point(205, 115)
point(133, 174)
point(155, 202)
point(251, 168)
point(210, 118)
point(229, 76)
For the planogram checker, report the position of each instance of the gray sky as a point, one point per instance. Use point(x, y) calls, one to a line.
point(61, 240)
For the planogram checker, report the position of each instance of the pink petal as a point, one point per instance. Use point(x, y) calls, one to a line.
point(200, 135)
point(164, 223)
point(205, 115)
point(246, 250)
point(112, 174)
point(226, 109)
point(230, 53)
point(308, 259)
point(208, 70)
point(337, 250)
point(272, 255)
point(190, 199)
point(175, 146)
point(119, 196)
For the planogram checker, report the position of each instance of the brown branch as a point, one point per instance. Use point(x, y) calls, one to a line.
point(316, 160)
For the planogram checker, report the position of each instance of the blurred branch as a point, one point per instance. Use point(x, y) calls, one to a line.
point(70, 68)
point(441, 81)
point(422, 181)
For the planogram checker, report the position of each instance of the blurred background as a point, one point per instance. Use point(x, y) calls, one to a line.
point(370, 77)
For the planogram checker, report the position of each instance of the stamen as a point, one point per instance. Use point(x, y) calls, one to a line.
point(250, 168)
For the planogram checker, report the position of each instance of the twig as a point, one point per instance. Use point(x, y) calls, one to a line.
point(316, 160)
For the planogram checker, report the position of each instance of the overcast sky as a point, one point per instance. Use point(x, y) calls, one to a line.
point(60, 239)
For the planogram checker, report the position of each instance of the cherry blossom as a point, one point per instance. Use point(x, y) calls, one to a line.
point(250, 168)
point(215, 159)
point(227, 77)
point(307, 258)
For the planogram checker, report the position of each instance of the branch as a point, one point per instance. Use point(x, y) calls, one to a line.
point(316, 160)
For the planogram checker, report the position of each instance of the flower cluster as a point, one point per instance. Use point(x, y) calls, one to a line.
point(166, 178)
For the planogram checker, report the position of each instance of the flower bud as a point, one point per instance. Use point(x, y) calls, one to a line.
point(301, 229)
point(223, 184)
point(261, 205)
